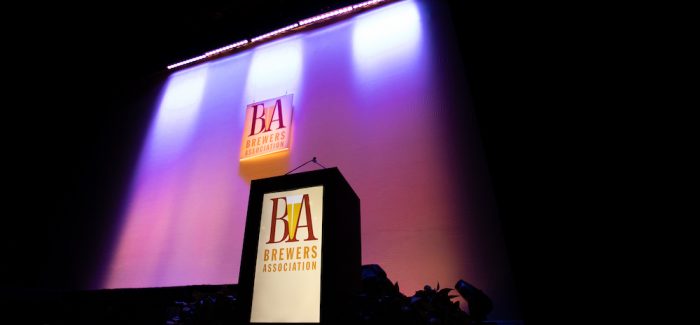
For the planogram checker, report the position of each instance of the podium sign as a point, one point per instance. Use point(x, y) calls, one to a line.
point(289, 251)
point(301, 252)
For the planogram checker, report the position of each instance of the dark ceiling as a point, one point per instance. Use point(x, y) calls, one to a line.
point(129, 41)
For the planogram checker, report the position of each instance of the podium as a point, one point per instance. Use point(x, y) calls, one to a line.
point(301, 255)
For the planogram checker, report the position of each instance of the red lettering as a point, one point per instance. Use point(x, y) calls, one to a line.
point(280, 119)
point(273, 222)
point(306, 207)
point(256, 118)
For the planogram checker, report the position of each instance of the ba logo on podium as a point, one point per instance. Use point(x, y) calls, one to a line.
point(287, 285)
point(267, 125)
point(294, 204)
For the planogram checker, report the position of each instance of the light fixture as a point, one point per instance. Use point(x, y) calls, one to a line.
point(173, 66)
point(275, 32)
point(303, 22)
point(226, 48)
point(367, 4)
point(325, 15)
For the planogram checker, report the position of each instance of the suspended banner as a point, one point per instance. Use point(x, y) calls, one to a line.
point(267, 127)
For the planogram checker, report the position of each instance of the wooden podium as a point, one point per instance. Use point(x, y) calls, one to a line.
point(301, 251)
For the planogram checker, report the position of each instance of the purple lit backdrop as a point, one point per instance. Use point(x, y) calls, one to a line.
point(369, 97)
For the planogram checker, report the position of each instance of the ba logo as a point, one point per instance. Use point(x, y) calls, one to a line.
point(266, 128)
point(264, 117)
point(294, 207)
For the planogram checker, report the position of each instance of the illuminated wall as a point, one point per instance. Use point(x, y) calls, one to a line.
point(370, 98)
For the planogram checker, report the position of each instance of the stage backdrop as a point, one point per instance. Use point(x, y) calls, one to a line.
point(375, 95)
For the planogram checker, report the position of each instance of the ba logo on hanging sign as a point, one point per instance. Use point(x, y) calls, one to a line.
point(287, 285)
point(267, 127)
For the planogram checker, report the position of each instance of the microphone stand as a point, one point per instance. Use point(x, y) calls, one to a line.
point(313, 160)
